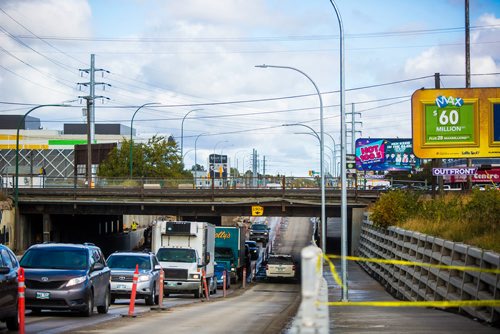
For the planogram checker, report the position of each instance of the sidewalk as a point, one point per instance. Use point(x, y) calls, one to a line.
point(395, 320)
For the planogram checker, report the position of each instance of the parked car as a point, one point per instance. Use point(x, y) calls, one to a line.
point(253, 248)
point(280, 266)
point(122, 265)
point(8, 288)
point(71, 277)
point(379, 188)
point(219, 271)
point(259, 232)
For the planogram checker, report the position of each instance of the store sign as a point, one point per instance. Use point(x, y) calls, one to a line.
point(481, 176)
point(456, 123)
point(376, 154)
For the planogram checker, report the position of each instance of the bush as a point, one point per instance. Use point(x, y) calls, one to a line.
point(395, 207)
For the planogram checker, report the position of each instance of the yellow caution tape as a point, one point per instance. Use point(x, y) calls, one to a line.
point(439, 304)
point(335, 275)
point(419, 264)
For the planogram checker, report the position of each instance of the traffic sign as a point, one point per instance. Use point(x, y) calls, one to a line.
point(456, 123)
point(257, 210)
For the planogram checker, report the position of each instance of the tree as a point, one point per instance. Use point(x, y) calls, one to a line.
point(159, 157)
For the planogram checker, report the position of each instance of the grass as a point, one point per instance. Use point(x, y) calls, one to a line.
point(473, 219)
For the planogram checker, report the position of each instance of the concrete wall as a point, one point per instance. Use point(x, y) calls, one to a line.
point(417, 283)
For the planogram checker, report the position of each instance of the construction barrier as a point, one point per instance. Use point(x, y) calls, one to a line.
point(134, 291)
point(21, 299)
point(205, 286)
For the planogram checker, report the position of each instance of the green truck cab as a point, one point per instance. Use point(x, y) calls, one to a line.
point(230, 250)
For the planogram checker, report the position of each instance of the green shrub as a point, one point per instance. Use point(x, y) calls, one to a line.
point(483, 210)
point(395, 207)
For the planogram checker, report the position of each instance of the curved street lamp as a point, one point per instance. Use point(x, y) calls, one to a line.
point(131, 130)
point(343, 139)
point(322, 149)
point(182, 131)
point(195, 161)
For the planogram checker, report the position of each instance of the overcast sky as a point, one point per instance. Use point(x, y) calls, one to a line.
point(194, 54)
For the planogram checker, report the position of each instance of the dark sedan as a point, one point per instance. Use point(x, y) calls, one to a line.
point(8, 288)
point(253, 249)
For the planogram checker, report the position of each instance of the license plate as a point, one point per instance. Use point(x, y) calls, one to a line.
point(43, 295)
point(121, 286)
point(171, 284)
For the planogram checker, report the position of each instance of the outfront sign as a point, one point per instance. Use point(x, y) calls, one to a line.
point(454, 171)
point(456, 123)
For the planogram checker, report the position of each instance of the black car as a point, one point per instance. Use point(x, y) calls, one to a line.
point(8, 288)
point(259, 232)
point(71, 277)
point(122, 265)
point(253, 249)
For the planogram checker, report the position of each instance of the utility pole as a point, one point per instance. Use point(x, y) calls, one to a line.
point(437, 162)
point(264, 170)
point(353, 114)
point(467, 74)
point(254, 168)
point(91, 110)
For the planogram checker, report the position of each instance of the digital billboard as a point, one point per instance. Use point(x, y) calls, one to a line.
point(378, 154)
point(456, 123)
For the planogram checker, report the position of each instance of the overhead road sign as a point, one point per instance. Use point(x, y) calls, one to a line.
point(257, 210)
point(456, 123)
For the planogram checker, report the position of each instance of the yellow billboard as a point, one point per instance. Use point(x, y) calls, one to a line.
point(456, 123)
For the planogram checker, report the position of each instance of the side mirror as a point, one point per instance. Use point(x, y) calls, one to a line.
point(157, 267)
point(98, 266)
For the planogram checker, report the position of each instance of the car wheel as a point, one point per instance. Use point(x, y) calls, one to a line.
point(89, 308)
point(197, 293)
point(150, 300)
point(107, 300)
point(12, 323)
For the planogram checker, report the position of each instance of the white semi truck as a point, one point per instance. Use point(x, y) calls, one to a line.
point(185, 249)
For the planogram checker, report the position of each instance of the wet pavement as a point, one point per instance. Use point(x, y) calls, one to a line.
point(354, 319)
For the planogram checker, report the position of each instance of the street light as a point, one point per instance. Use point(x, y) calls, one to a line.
point(321, 144)
point(182, 131)
point(343, 138)
point(334, 149)
point(131, 129)
point(195, 161)
point(16, 181)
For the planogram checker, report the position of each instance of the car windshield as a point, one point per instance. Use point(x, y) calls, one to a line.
point(129, 262)
point(251, 244)
point(280, 260)
point(176, 255)
point(223, 252)
point(219, 267)
point(55, 258)
point(259, 227)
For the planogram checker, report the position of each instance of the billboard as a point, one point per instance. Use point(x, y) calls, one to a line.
point(377, 154)
point(456, 123)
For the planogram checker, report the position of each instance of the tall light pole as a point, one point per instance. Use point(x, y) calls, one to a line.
point(131, 132)
point(334, 149)
point(343, 180)
point(16, 180)
point(182, 131)
point(195, 161)
point(322, 149)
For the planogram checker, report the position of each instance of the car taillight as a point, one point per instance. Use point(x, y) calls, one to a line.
point(267, 267)
point(293, 267)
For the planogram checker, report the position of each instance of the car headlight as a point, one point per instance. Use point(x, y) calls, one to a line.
point(144, 278)
point(251, 232)
point(265, 233)
point(76, 280)
point(232, 269)
point(222, 277)
point(195, 276)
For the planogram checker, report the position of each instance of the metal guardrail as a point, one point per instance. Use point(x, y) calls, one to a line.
point(312, 316)
point(418, 283)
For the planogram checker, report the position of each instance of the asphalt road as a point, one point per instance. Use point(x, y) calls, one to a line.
point(260, 308)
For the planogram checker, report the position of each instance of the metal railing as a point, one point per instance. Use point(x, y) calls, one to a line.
point(432, 283)
point(313, 316)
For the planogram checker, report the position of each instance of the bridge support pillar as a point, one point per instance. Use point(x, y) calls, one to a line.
point(356, 221)
point(47, 227)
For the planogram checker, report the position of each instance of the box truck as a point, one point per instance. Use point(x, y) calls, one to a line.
point(185, 250)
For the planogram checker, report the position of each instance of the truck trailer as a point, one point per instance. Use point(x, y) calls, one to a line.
point(185, 250)
point(230, 250)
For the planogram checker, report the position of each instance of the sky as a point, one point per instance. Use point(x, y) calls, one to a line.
point(193, 54)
